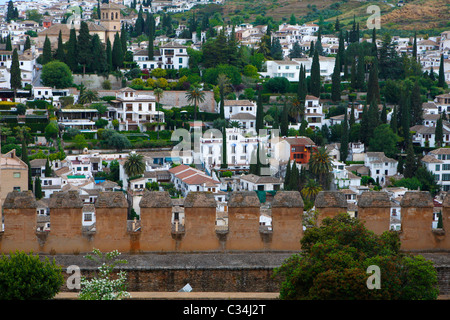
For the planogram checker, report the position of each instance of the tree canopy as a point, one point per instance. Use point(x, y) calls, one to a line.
point(335, 260)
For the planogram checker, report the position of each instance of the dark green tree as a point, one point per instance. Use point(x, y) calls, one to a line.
point(439, 133)
point(410, 161)
point(109, 62)
point(27, 43)
point(336, 81)
point(72, 51)
point(441, 79)
point(276, 51)
point(224, 162)
point(344, 139)
point(99, 62)
point(284, 124)
point(84, 47)
point(334, 260)
point(8, 46)
point(117, 53)
point(315, 76)
point(259, 125)
point(60, 54)
point(47, 51)
point(38, 188)
point(16, 75)
point(373, 89)
point(28, 277)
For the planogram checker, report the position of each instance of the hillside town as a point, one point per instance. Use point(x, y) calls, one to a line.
point(136, 96)
point(113, 132)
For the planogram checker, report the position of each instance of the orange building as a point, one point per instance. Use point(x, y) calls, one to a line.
point(300, 148)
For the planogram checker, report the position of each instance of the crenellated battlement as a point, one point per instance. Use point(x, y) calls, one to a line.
point(156, 231)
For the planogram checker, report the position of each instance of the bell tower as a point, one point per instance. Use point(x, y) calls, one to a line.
point(110, 19)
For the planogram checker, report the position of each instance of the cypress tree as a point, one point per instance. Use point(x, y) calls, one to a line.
point(373, 119)
point(16, 76)
point(293, 177)
point(360, 72)
point(364, 125)
point(352, 120)
point(311, 49)
point(27, 43)
point(394, 120)
point(48, 168)
point(109, 55)
point(99, 63)
point(72, 51)
point(414, 52)
point(117, 53)
point(47, 51)
point(10, 13)
point(123, 40)
point(374, 43)
point(353, 82)
point(84, 47)
point(410, 161)
point(150, 48)
point(441, 79)
point(259, 112)
point(301, 89)
point(416, 105)
point(38, 188)
point(284, 125)
point(383, 115)
point(336, 81)
point(373, 89)
point(60, 55)
point(439, 134)
point(315, 76)
point(341, 50)
point(344, 139)
point(287, 175)
point(224, 163)
point(276, 51)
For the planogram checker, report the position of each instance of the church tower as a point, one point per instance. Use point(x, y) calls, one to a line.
point(110, 19)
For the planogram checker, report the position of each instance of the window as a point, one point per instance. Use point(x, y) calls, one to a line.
point(180, 60)
point(446, 167)
point(438, 167)
point(88, 217)
point(16, 174)
point(446, 177)
point(16, 188)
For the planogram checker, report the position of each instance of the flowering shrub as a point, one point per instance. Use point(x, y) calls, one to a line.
point(104, 286)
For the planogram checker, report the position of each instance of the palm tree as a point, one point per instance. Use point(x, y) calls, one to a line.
point(320, 165)
point(88, 96)
point(195, 94)
point(135, 165)
point(297, 109)
point(311, 189)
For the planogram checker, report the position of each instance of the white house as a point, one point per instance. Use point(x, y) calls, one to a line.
point(381, 167)
point(313, 112)
point(252, 182)
point(242, 111)
point(27, 62)
point(438, 162)
point(187, 179)
point(240, 148)
point(136, 110)
point(291, 69)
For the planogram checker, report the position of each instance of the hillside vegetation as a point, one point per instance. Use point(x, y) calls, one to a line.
point(426, 16)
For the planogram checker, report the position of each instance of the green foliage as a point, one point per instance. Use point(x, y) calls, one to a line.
point(26, 277)
point(56, 74)
point(334, 260)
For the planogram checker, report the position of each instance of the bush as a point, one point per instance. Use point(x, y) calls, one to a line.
point(25, 277)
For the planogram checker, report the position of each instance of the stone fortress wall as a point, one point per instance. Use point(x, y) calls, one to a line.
point(157, 234)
